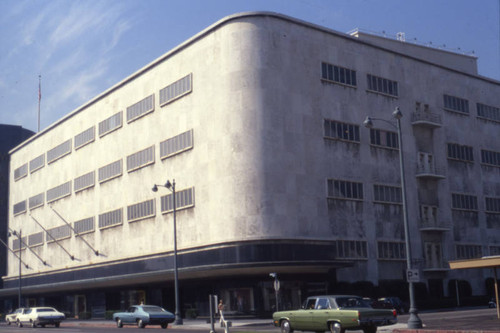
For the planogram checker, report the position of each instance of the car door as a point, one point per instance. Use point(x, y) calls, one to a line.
point(129, 316)
point(302, 319)
point(320, 314)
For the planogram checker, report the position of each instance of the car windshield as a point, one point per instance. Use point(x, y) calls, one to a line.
point(152, 309)
point(351, 302)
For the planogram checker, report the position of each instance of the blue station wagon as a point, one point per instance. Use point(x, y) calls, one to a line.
point(142, 315)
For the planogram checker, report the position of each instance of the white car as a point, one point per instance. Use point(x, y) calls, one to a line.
point(40, 316)
point(12, 317)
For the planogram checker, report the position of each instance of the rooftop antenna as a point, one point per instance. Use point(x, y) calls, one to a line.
point(401, 36)
point(39, 98)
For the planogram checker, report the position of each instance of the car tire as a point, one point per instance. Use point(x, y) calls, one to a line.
point(33, 324)
point(286, 327)
point(119, 323)
point(336, 328)
point(164, 326)
point(57, 325)
point(140, 323)
point(19, 324)
point(8, 322)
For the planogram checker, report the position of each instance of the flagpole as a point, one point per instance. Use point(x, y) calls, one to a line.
point(39, 98)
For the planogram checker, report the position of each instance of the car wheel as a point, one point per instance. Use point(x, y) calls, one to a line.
point(57, 325)
point(370, 329)
point(286, 327)
point(33, 324)
point(336, 328)
point(164, 325)
point(119, 323)
point(19, 324)
point(8, 322)
point(140, 323)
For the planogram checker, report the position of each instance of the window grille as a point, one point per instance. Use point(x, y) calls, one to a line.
point(351, 249)
point(59, 151)
point(488, 112)
point(338, 74)
point(85, 181)
point(384, 193)
point(110, 124)
point(176, 144)
point(36, 201)
point(492, 205)
point(35, 239)
point(61, 232)
point(343, 189)
point(490, 157)
point(21, 172)
point(176, 90)
point(456, 104)
point(59, 192)
point(463, 201)
point(183, 199)
point(141, 210)
point(469, 251)
point(391, 250)
point(381, 85)
point(460, 152)
point(343, 131)
point(20, 207)
point(85, 137)
point(494, 250)
point(384, 138)
point(110, 171)
point(110, 219)
point(141, 108)
point(84, 225)
point(37, 163)
point(141, 159)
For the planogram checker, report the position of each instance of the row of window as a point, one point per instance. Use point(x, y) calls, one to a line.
point(346, 76)
point(350, 132)
point(168, 94)
point(139, 211)
point(140, 159)
point(397, 251)
point(344, 189)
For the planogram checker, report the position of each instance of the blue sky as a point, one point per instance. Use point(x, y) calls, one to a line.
point(81, 48)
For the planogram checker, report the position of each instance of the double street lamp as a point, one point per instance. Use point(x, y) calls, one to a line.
point(171, 187)
point(413, 321)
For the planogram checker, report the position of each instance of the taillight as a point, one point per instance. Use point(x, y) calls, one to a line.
point(394, 313)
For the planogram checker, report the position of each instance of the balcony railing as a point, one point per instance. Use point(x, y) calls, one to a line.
point(433, 225)
point(426, 119)
point(429, 171)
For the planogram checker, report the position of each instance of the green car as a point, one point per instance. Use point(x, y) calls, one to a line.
point(335, 313)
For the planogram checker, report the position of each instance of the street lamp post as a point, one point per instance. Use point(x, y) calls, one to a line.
point(171, 187)
point(413, 320)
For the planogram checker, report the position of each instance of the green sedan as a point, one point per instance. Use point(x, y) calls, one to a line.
point(335, 313)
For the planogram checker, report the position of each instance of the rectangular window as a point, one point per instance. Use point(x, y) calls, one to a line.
point(468, 251)
point(456, 104)
point(343, 189)
point(37, 163)
point(21, 172)
point(35, 239)
point(341, 131)
point(183, 199)
point(338, 74)
point(176, 144)
point(110, 124)
point(384, 193)
point(460, 152)
point(463, 201)
point(384, 138)
point(494, 250)
point(59, 192)
point(176, 90)
point(85, 137)
point(141, 210)
point(391, 250)
point(83, 182)
point(36, 201)
point(492, 205)
point(57, 233)
point(490, 157)
point(84, 225)
point(141, 108)
point(110, 171)
point(111, 219)
point(381, 85)
point(351, 249)
point(141, 159)
point(488, 112)
point(20, 207)
point(59, 151)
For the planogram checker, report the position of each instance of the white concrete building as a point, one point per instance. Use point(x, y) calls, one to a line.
point(258, 119)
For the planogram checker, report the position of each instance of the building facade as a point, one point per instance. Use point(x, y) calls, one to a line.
point(258, 119)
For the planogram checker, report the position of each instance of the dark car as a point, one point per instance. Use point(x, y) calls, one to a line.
point(396, 303)
point(142, 315)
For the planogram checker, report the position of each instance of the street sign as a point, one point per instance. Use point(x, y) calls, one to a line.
point(412, 275)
